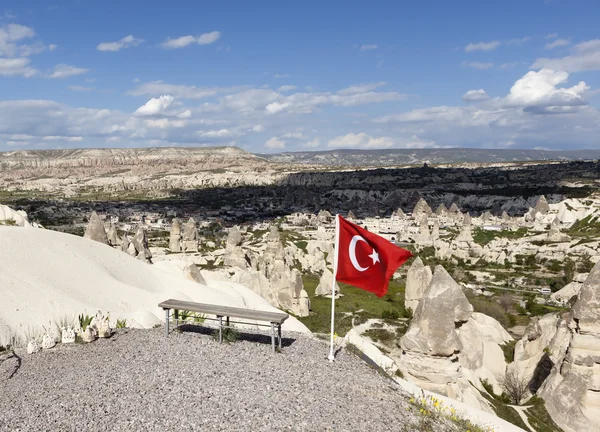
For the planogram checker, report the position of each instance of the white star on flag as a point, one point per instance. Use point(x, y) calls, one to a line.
point(375, 257)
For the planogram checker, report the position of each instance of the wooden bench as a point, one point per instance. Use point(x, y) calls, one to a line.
point(275, 319)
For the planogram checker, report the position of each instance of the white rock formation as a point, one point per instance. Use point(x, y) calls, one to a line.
point(9, 216)
point(572, 391)
point(88, 335)
point(189, 238)
point(95, 229)
point(325, 284)
point(175, 236)
point(418, 279)
point(421, 208)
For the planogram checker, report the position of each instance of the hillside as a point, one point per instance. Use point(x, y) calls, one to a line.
point(390, 157)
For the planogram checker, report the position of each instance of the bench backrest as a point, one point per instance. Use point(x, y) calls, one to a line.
point(226, 311)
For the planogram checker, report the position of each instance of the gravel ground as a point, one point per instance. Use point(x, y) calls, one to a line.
point(140, 381)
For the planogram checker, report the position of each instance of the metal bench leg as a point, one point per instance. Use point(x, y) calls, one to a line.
point(279, 332)
point(273, 336)
point(220, 329)
point(176, 318)
point(167, 322)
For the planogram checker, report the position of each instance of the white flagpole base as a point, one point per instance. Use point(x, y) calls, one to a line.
point(331, 358)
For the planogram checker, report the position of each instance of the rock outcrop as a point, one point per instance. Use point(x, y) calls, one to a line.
point(189, 240)
point(175, 236)
point(542, 206)
point(139, 246)
point(9, 216)
point(325, 284)
point(113, 236)
point(421, 208)
point(418, 279)
point(95, 229)
point(572, 390)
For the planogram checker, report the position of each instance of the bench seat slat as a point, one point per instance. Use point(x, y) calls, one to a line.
point(273, 317)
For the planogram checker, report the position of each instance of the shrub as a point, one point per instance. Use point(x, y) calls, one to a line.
point(230, 334)
point(121, 323)
point(84, 321)
point(515, 385)
point(390, 314)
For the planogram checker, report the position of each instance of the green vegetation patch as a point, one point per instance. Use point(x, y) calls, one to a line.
point(589, 226)
point(483, 237)
point(355, 304)
point(538, 416)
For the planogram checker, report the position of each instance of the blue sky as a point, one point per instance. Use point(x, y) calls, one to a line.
point(290, 76)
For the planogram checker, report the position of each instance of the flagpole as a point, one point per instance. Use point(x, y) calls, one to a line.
point(335, 264)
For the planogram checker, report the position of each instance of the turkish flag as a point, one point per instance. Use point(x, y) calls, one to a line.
point(366, 260)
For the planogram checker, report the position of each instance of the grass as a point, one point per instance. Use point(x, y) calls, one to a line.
point(589, 226)
point(504, 411)
point(539, 418)
point(121, 323)
point(355, 304)
point(230, 334)
point(509, 351)
point(432, 411)
point(483, 237)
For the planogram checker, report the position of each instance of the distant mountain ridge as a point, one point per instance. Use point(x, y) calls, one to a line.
point(390, 157)
point(204, 158)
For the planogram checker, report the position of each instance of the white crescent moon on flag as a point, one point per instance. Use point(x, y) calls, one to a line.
point(352, 253)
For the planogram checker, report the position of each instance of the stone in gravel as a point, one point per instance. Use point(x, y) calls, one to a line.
point(101, 325)
point(88, 335)
point(95, 229)
point(48, 341)
point(33, 347)
point(68, 335)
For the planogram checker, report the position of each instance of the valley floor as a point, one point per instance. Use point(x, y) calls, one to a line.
point(138, 380)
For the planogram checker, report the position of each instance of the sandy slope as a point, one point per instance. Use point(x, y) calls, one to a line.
point(46, 275)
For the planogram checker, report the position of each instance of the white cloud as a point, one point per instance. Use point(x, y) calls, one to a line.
point(482, 46)
point(179, 42)
point(183, 41)
point(286, 88)
point(475, 96)
point(258, 128)
point(506, 66)
point(551, 35)
point(275, 107)
point(518, 41)
point(361, 140)
point(11, 33)
point(557, 43)
point(477, 65)
point(155, 106)
point(179, 91)
point(78, 88)
point(16, 67)
point(361, 88)
point(585, 57)
point(185, 114)
point(208, 38)
point(52, 47)
point(221, 133)
point(278, 76)
point(313, 143)
point(65, 71)
point(368, 47)
point(275, 143)
point(126, 42)
point(294, 135)
point(540, 89)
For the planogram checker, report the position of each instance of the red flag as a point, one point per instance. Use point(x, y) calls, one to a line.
point(366, 260)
